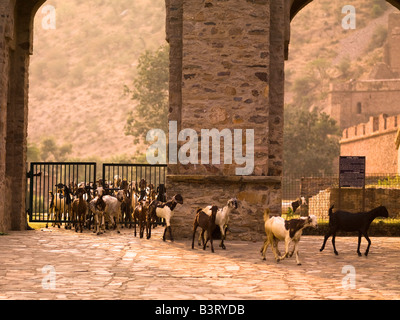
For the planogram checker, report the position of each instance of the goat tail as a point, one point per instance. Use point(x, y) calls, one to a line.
point(266, 214)
point(331, 209)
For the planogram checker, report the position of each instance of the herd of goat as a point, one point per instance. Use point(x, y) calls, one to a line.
point(142, 205)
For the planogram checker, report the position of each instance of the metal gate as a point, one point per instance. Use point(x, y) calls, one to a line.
point(51, 186)
point(113, 173)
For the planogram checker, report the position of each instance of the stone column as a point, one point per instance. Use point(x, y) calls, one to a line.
point(224, 83)
point(16, 36)
point(6, 42)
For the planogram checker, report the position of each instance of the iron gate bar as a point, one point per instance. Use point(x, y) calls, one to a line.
point(57, 172)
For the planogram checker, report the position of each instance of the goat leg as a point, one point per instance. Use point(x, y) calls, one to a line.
point(141, 228)
point(223, 237)
point(194, 234)
point(286, 254)
point(323, 244)
point(264, 248)
point(205, 244)
point(333, 244)
point(274, 246)
point(202, 238)
point(148, 229)
point(296, 251)
point(359, 244)
point(134, 221)
point(369, 243)
point(170, 233)
point(211, 240)
point(165, 231)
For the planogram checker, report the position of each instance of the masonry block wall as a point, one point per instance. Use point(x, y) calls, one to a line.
point(375, 139)
point(354, 102)
point(6, 28)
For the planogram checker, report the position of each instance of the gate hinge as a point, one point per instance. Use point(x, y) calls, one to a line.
point(30, 175)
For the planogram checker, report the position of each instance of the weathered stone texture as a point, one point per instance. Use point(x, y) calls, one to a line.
point(254, 194)
point(376, 140)
point(225, 71)
point(16, 25)
point(6, 37)
point(351, 200)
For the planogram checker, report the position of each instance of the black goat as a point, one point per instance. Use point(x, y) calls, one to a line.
point(347, 221)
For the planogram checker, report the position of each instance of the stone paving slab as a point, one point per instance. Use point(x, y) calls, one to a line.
point(120, 266)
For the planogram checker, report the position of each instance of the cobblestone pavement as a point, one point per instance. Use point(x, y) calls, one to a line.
point(120, 266)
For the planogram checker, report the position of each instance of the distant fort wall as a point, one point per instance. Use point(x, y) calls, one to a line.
point(375, 139)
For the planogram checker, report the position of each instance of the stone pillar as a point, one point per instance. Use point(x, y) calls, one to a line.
point(16, 46)
point(6, 37)
point(225, 83)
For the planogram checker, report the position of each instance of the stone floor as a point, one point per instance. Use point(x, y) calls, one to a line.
point(61, 264)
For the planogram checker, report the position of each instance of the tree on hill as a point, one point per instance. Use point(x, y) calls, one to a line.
point(311, 142)
point(150, 90)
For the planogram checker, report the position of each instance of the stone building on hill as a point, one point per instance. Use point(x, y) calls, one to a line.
point(356, 101)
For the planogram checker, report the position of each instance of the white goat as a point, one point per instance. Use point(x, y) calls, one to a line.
point(279, 229)
point(113, 208)
point(221, 219)
point(162, 210)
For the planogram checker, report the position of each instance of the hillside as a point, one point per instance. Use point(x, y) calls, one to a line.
point(78, 72)
point(322, 52)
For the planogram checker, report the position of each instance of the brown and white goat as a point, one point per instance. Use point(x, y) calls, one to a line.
point(162, 210)
point(222, 218)
point(207, 223)
point(278, 229)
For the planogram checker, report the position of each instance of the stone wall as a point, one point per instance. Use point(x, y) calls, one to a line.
point(225, 73)
point(254, 194)
point(375, 140)
point(6, 35)
point(355, 102)
point(351, 200)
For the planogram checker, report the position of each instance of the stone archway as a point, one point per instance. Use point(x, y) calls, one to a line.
point(226, 71)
